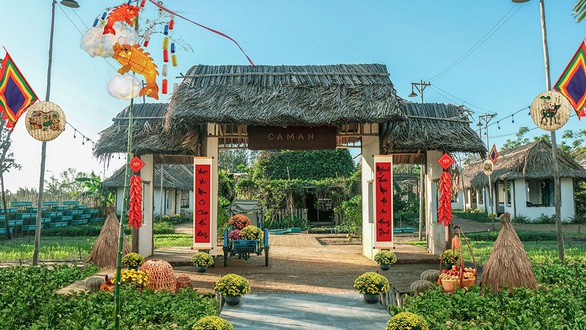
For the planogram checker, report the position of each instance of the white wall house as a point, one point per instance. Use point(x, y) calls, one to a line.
point(522, 183)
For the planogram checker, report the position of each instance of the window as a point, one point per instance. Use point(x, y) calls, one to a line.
point(539, 192)
point(508, 193)
point(480, 194)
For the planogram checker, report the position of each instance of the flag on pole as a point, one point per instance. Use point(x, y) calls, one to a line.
point(572, 82)
point(16, 95)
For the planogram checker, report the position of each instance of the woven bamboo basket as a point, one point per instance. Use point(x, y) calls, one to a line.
point(161, 275)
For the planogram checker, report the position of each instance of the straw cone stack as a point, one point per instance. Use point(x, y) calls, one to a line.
point(508, 265)
point(105, 251)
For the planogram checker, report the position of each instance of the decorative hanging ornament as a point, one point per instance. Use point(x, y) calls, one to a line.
point(123, 13)
point(45, 121)
point(135, 59)
point(550, 110)
point(124, 87)
point(95, 43)
point(135, 207)
point(444, 214)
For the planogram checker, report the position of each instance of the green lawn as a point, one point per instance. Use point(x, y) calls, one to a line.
point(55, 248)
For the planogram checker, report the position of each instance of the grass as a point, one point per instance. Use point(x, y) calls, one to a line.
point(541, 247)
point(63, 248)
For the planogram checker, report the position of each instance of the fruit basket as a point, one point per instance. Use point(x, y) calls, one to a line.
point(458, 276)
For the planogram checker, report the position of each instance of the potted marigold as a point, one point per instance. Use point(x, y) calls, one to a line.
point(202, 260)
point(132, 260)
point(134, 278)
point(371, 285)
point(232, 287)
point(407, 321)
point(239, 221)
point(385, 258)
point(212, 323)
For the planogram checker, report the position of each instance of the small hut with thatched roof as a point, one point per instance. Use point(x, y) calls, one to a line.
point(522, 182)
point(222, 106)
point(173, 188)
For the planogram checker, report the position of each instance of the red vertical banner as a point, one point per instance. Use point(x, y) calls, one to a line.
point(383, 201)
point(202, 213)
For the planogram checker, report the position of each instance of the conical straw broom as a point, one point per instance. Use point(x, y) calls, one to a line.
point(508, 265)
point(105, 251)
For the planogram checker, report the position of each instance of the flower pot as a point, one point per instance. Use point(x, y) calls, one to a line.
point(201, 269)
point(385, 266)
point(371, 298)
point(232, 300)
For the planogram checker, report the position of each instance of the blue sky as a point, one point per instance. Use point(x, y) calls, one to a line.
point(486, 55)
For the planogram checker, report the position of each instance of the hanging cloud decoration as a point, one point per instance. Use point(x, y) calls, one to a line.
point(124, 87)
point(96, 43)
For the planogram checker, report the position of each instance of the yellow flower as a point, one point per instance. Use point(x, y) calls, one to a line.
point(371, 282)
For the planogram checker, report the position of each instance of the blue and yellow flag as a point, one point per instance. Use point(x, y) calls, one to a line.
point(572, 82)
point(16, 95)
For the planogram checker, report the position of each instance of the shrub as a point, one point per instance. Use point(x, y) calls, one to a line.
point(202, 259)
point(385, 257)
point(371, 282)
point(212, 323)
point(251, 232)
point(407, 321)
point(132, 260)
point(232, 285)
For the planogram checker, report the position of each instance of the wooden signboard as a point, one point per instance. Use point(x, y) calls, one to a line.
point(383, 199)
point(291, 137)
point(202, 213)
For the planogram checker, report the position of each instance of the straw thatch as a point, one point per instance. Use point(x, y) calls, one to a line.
point(148, 136)
point(105, 251)
point(175, 176)
point(532, 161)
point(508, 265)
point(431, 126)
point(284, 95)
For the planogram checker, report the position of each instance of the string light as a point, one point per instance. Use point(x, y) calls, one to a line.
point(84, 138)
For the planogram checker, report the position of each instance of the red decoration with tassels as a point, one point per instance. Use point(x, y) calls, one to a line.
point(135, 208)
point(444, 214)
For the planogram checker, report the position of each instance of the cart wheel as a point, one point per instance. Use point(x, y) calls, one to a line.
point(266, 256)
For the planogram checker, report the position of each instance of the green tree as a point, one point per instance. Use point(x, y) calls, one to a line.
point(304, 165)
point(93, 187)
point(520, 139)
point(7, 162)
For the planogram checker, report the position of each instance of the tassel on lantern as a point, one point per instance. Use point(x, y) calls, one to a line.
point(165, 43)
point(172, 22)
point(164, 70)
point(166, 31)
point(165, 55)
point(174, 59)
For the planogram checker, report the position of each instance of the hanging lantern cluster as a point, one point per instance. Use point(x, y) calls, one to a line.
point(444, 214)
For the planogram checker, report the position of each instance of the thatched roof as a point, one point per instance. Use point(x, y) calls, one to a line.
point(148, 136)
point(530, 161)
point(177, 176)
point(431, 126)
point(284, 95)
point(508, 265)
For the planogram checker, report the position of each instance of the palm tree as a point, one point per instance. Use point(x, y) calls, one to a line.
point(580, 10)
